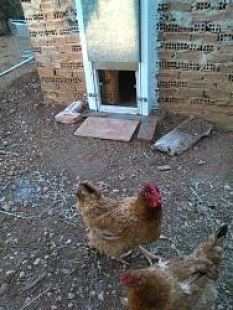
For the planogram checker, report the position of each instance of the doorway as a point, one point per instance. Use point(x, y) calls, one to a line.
point(117, 88)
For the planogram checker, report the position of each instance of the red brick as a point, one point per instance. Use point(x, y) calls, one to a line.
point(171, 36)
point(183, 6)
point(76, 72)
point(168, 73)
point(226, 67)
point(166, 55)
point(200, 17)
point(53, 24)
point(187, 55)
point(226, 47)
point(65, 48)
point(221, 57)
point(68, 56)
point(45, 71)
point(48, 50)
point(225, 87)
point(59, 40)
point(206, 37)
point(74, 38)
point(163, 92)
point(48, 6)
point(202, 84)
point(191, 75)
point(221, 16)
point(189, 93)
point(42, 58)
point(64, 73)
point(215, 93)
point(215, 77)
point(38, 25)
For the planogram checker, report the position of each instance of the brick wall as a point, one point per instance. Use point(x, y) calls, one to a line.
point(196, 58)
point(55, 39)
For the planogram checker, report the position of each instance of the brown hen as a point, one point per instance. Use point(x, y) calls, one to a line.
point(185, 284)
point(118, 225)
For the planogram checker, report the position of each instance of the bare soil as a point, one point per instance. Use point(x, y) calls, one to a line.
point(45, 262)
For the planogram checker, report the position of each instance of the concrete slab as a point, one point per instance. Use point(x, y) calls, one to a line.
point(107, 128)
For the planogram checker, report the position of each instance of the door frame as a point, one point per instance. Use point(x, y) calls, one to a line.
point(142, 75)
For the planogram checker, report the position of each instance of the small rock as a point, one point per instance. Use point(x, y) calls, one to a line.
point(68, 241)
point(115, 190)
point(37, 261)
point(124, 301)
point(6, 208)
point(201, 209)
point(93, 293)
point(50, 212)
point(53, 307)
point(164, 168)
point(27, 300)
point(12, 111)
point(101, 296)
point(3, 288)
point(9, 272)
point(121, 177)
point(45, 189)
point(70, 305)
point(22, 274)
point(65, 271)
point(71, 296)
point(59, 298)
point(25, 204)
point(2, 199)
point(201, 162)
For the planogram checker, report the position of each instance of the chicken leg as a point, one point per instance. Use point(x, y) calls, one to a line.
point(148, 255)
point(123, 256)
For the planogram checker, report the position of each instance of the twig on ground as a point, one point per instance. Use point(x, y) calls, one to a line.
point(19, 215)
point(195, 193)
point(37, 297)
point(8, 153)
point(33, 283)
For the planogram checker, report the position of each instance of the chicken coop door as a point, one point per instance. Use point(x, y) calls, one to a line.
point(115, 64)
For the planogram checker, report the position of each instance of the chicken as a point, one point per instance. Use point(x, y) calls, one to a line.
point(118, 225)
point(182, 284)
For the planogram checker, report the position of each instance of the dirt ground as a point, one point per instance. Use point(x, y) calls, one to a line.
point(45, 262)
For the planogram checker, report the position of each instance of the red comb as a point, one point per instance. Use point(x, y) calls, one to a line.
point(126, 277)
point(151, 187)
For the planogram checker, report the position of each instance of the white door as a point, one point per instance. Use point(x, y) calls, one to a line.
point(116, 86)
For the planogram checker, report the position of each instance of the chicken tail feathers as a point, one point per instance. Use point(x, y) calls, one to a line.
point(86, 188)
point(222, 231)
